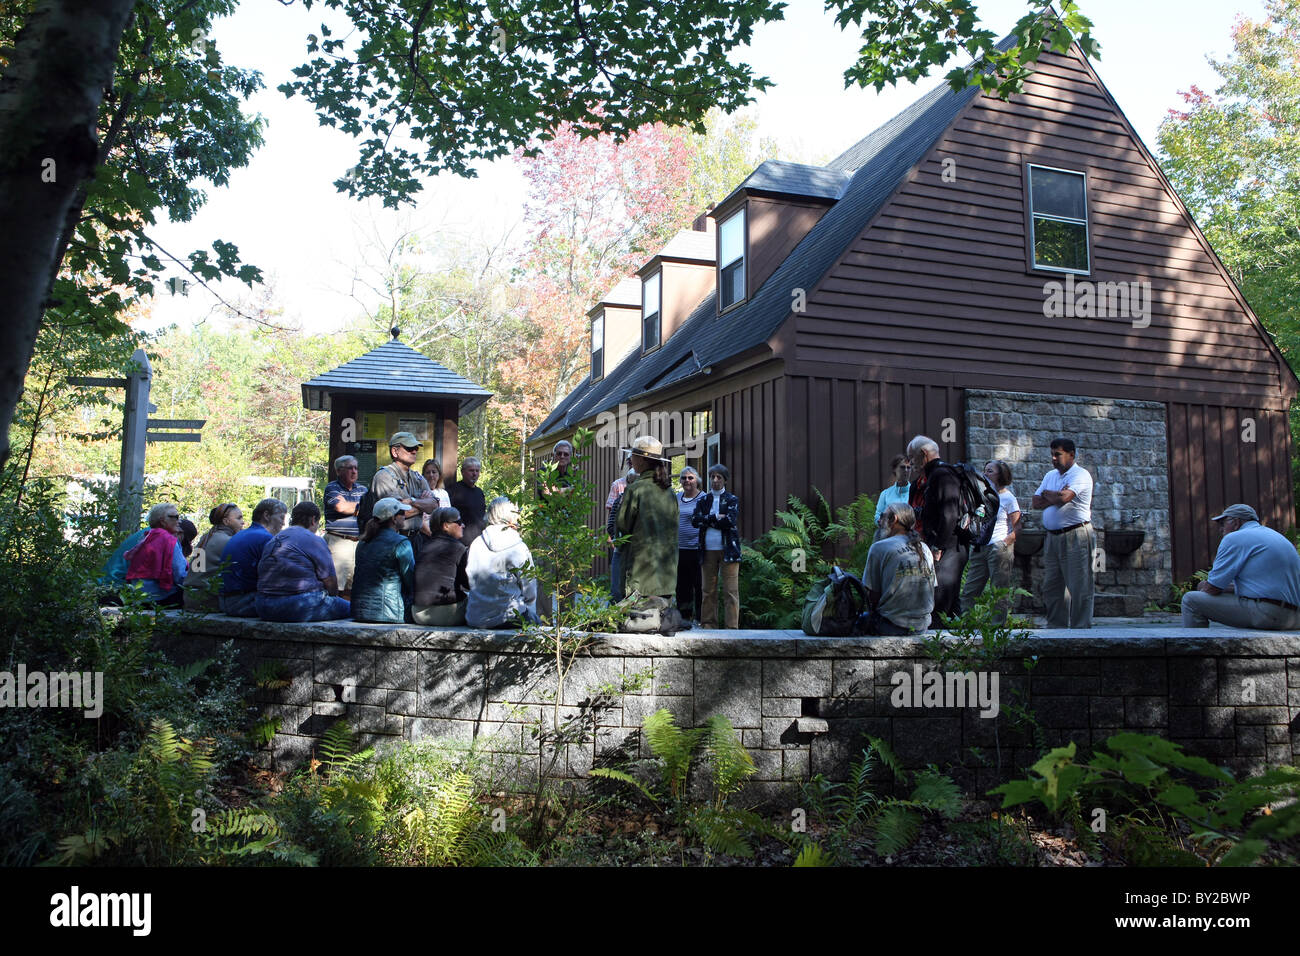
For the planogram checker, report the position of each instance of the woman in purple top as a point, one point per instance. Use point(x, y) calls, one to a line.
point(689, 593)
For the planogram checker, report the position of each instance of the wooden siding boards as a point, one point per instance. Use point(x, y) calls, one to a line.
point(968, 283)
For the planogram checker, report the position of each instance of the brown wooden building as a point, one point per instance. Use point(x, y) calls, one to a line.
point(1011, 256)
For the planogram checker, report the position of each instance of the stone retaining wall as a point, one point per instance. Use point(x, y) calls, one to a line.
point(801, 705)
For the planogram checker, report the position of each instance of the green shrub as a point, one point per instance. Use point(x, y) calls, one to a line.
point(781, 566)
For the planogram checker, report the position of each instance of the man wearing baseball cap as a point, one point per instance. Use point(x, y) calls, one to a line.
point(1255, 581)
point(399, 480)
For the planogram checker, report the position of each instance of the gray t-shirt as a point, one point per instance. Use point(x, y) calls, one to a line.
point(903, 580)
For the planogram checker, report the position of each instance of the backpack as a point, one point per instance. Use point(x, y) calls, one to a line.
point(834, 605)
point(366, 506)
point(980, 505)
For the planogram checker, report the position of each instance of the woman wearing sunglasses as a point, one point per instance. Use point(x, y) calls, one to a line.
point(441, 583)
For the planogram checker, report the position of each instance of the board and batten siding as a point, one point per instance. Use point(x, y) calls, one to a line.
point(843, 432)
point(1213, 465)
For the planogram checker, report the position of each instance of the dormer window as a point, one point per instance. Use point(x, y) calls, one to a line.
point(650, 311)
point(731, 261)
point(1058, 220)
point(598, 347)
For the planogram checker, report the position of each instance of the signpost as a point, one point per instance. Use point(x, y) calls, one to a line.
point(136, 432)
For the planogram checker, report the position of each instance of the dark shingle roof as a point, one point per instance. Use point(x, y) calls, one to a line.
point(397, 369)
point(875, 166)
point(794, 179)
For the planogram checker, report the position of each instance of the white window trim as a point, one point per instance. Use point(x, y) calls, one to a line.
point(656, 276)
point(1087, 225)
point(743, 259)
point(598, 317)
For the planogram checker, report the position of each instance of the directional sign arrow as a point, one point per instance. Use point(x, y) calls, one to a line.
point(177, 422)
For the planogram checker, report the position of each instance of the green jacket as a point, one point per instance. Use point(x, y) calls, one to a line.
point(650, 515)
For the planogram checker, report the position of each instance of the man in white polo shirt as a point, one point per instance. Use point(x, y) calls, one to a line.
point(1065, 498)
point(1255, 581)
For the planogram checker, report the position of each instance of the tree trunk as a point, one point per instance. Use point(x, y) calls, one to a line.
point(63, 60)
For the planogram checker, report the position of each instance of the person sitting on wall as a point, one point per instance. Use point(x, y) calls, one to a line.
point(385, 567)
point(227, 521)
point(157, 563)
point(239, 580)
point(899, 577)
point(500, 592)
point(441, 578)
point(113, 576)
point(1255, 581)
point(295, 576)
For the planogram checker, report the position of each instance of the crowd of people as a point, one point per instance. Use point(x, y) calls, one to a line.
point(408, 549)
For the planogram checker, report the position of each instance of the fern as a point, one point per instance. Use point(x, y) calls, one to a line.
point(336, 749)
point(730, 760)
point(673, 746)
point(609, 773)
point(888, 758)
point(936, 791)
point(720, 831)
point(811, 855)
point(896, 827)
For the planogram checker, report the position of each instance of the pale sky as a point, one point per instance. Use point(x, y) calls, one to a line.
point(284, 214)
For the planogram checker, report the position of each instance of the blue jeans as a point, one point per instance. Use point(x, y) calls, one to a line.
point(616, 576)
point(239, 605)
point(307, 606)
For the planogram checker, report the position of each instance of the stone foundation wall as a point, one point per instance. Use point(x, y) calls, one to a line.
point(801, 705)
point(1122, 444)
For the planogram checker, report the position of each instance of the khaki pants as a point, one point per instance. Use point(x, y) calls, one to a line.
point(730, 571)
point(1200, 608)
point(1067, 577)
point(344, 552)
point(990, 566)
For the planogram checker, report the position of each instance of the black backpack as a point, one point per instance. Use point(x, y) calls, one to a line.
point(366, 506)
point(979, 503)
point(834, 605)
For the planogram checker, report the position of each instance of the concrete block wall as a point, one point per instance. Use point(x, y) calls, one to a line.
point(801, 705)
point(1123, 446)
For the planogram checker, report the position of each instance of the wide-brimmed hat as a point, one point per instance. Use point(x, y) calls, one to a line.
point(1244, 512)
point(647, 446)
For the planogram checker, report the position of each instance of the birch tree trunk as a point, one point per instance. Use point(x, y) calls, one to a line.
point(50, 93)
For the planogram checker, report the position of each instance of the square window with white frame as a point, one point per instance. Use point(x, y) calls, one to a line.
point(1058, 220)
